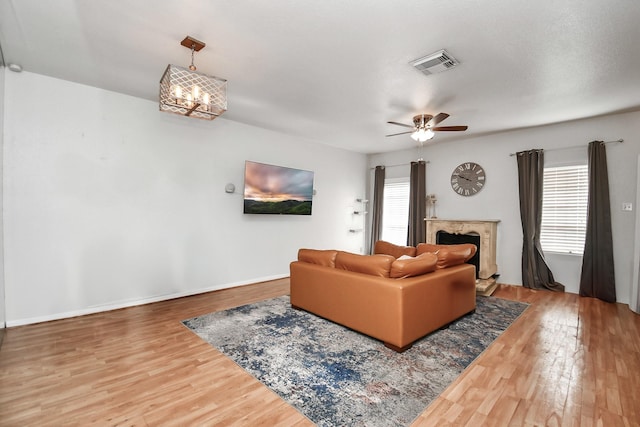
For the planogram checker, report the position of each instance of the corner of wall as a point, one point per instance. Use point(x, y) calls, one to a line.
point(3, 320)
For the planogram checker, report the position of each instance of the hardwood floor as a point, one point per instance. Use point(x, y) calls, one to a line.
point(567, 361)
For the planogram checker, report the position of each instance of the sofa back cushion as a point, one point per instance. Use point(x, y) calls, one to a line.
point(375, 265)
point(449, 255)
point(396, 251)
point(407, 266)
point(325, 258)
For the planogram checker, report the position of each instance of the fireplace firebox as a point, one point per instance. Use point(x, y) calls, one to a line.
point(445, 238)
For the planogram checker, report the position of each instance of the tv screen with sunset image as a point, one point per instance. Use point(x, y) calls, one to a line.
point(270, 189)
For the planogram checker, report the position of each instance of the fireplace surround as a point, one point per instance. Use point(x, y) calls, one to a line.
point(487, 230)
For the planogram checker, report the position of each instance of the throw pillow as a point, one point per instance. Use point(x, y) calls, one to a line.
point(375, 265)
point(396, 251)
point(407, 266)
point(449, 255)
point(325, 258)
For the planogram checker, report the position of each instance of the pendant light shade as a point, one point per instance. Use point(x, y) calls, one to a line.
point(188, 92)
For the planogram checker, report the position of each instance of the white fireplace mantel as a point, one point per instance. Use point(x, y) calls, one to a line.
point(487, 229)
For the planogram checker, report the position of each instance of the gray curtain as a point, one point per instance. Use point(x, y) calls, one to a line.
point(417, 203)
point(376, 207)
point(535, 271)
point(598, 278)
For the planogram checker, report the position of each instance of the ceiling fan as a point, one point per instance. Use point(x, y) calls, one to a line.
point(424, 127)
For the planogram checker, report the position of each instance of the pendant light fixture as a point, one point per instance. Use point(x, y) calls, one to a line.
point(188, 92)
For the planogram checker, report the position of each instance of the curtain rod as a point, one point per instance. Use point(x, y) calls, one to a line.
point(401, 164)
point(574, 146)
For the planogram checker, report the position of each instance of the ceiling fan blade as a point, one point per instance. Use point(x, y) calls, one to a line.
point(401, 124)
point(437, 119)
point(401, 133)
point(448, 128)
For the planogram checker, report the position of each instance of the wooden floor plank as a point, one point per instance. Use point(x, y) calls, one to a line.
point(567, 361)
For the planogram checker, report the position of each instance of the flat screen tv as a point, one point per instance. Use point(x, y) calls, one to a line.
point(270, 189)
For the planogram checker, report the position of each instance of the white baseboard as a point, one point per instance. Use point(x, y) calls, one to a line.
point(131, 303)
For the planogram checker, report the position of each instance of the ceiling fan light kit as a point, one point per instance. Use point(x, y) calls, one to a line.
point(422, 135)
point(188, 92)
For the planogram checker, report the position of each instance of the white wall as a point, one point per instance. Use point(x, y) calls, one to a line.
point(3, 315)
point(499, 198)
point(109, 202)
point(634, 298)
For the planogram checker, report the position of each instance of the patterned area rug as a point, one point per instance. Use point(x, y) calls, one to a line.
point(338, 377)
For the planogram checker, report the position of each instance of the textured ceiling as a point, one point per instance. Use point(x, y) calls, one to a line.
point(336, 71)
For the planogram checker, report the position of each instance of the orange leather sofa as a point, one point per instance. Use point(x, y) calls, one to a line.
point(392, 296)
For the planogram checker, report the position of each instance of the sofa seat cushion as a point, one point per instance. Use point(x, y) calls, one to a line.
point(396, 251)
point(374, 265)
point(449, 255)
point(325, 258)
point(407, 266)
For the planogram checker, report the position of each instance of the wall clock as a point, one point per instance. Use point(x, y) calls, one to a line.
point(468, 179)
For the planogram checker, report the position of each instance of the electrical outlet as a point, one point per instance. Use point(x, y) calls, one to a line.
point(626, 206)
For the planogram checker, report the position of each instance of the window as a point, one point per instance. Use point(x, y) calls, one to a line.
point(395, 211)
point(564, 209)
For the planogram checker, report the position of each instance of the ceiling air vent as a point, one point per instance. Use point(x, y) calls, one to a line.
point(435, 63)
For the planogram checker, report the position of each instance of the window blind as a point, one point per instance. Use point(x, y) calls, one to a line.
point(395, 211)
point(564, 209)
